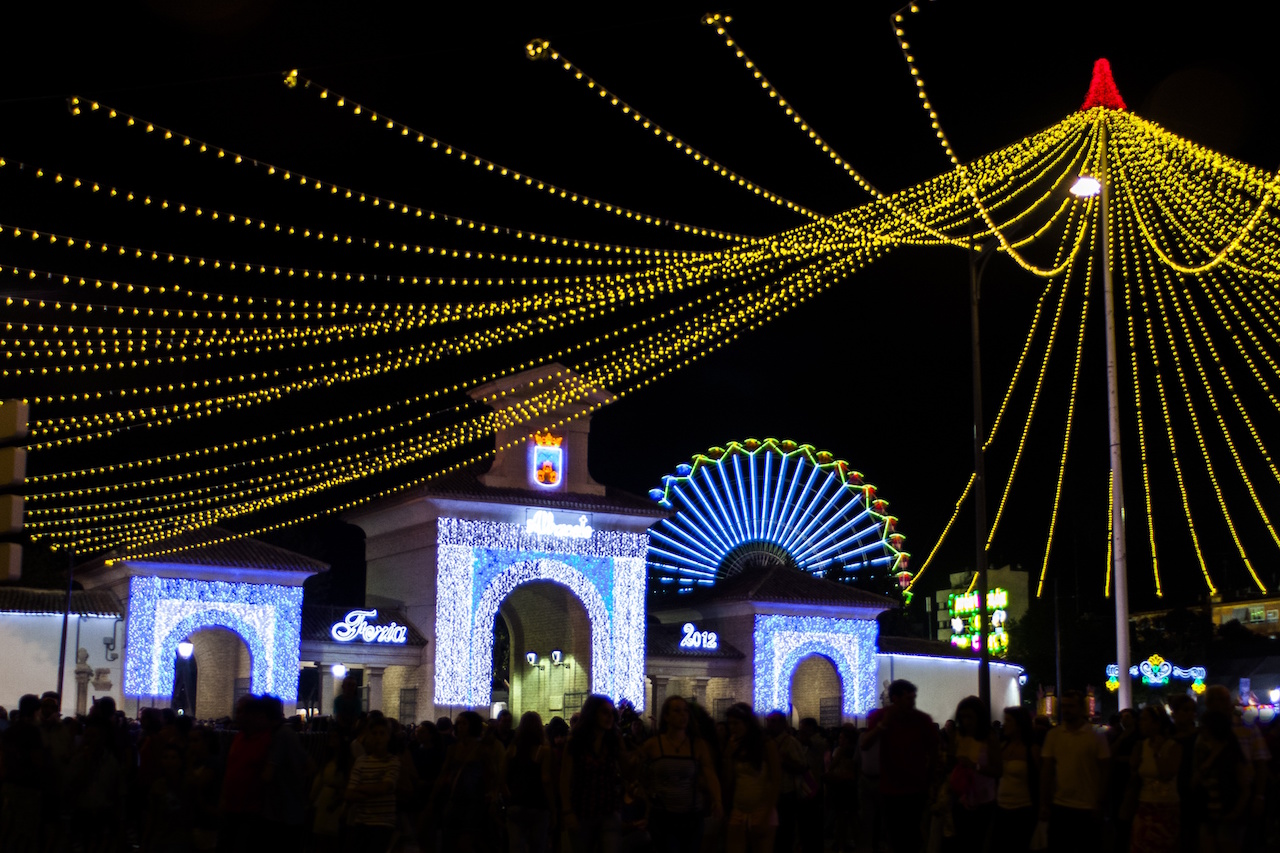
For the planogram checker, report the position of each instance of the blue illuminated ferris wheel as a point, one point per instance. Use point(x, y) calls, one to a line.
point(759, 503)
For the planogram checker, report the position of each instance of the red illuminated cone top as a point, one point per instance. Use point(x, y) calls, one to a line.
point(1102, 89)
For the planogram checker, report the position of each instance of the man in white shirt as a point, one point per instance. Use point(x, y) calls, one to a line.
point(1073, 778)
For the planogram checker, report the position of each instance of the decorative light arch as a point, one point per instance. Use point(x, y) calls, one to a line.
point(779, 496)
point(165, 611)
point(602, 645)
point(479, 563)
point(781, 642)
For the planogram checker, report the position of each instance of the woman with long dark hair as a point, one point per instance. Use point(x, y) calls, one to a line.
point(974, 767)
point(528, 787)
point(591, 779)
point(1018, 790)
point(753, 772)
point(680, 779)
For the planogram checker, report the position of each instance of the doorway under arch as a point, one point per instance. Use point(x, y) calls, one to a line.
point(544, 617)
point(222, 666)
point(816, 690)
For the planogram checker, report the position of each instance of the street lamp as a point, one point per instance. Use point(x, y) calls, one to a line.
point(1086, 186)
point(339, 671)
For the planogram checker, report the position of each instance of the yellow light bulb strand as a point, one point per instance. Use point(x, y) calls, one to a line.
point(1071, 413)
point(439, 146)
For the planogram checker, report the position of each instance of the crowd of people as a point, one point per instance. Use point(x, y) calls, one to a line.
point(607, 781)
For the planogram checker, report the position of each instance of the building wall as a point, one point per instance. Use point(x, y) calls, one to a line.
point(221, 657)
point(942, 682)
point(401, 570)
point(29, 663)
point(543, 616)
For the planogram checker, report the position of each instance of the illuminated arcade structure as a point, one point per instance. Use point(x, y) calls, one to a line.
point(532, 551)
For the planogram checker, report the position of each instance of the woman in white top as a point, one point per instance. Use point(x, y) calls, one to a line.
point(1017, 793)
point(1155, 824)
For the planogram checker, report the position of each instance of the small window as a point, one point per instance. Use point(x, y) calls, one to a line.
point(408, 712)
point(1273, 615)
point(240, 688)
point(829, 712)
point(1257, 614)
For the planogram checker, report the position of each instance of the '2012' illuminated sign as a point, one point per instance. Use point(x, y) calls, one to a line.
point(356, 626)
point(695, 639)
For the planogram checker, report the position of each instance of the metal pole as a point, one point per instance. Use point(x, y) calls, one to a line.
point(1125, 695)
point(66, 617)
point(1057, 644)
point(979, 479)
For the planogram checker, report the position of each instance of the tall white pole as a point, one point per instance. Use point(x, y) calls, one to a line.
point(1120, 573)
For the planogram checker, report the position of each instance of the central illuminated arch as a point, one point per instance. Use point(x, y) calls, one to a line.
point(781, 642)
point(479, 563)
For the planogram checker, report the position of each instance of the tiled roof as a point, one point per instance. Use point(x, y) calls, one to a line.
point(788, 585)
point(235, 553)
point(920, 646)
point(84, 602)
point(664, 641)
point(465, 485)
point(317, 619)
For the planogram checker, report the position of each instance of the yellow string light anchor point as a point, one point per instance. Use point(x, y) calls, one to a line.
point(537, 49)
point(291, 78)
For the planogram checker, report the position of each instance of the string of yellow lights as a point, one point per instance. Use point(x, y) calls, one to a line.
point(541, 49)
point(293, 79)
point(1071, 413)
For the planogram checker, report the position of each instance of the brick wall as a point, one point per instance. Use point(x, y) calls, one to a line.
point(221, 657)
point(815, 678)
point(543, 616)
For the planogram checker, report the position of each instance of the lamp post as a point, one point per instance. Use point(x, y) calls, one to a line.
point(978, 258)
point(1088, 187)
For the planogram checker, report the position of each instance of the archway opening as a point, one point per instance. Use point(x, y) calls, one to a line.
point(544, 618)
point(218, 672)
point(816, 691)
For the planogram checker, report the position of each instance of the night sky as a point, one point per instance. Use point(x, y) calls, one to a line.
point(876, 370)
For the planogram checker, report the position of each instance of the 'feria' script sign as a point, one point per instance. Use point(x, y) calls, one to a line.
point(356, 626)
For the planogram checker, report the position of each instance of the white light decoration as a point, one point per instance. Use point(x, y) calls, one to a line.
point(1086, 186)
point(186, 650)
point(781, 642)
point(695, 639)
point(356, 626)
point(543, 523)
point(165, 611)
point(479, 563)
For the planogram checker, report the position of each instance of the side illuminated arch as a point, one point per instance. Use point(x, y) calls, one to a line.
point(165, 611)
point(781, 642)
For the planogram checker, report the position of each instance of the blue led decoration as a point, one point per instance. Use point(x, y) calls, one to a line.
point(165, 611)
point(781, 642)
point(479, 563)
point(785, 496)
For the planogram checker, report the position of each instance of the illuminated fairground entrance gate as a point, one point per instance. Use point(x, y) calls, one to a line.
point(483, 564)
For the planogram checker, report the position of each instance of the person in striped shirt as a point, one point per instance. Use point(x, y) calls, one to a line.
point(371, 791)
